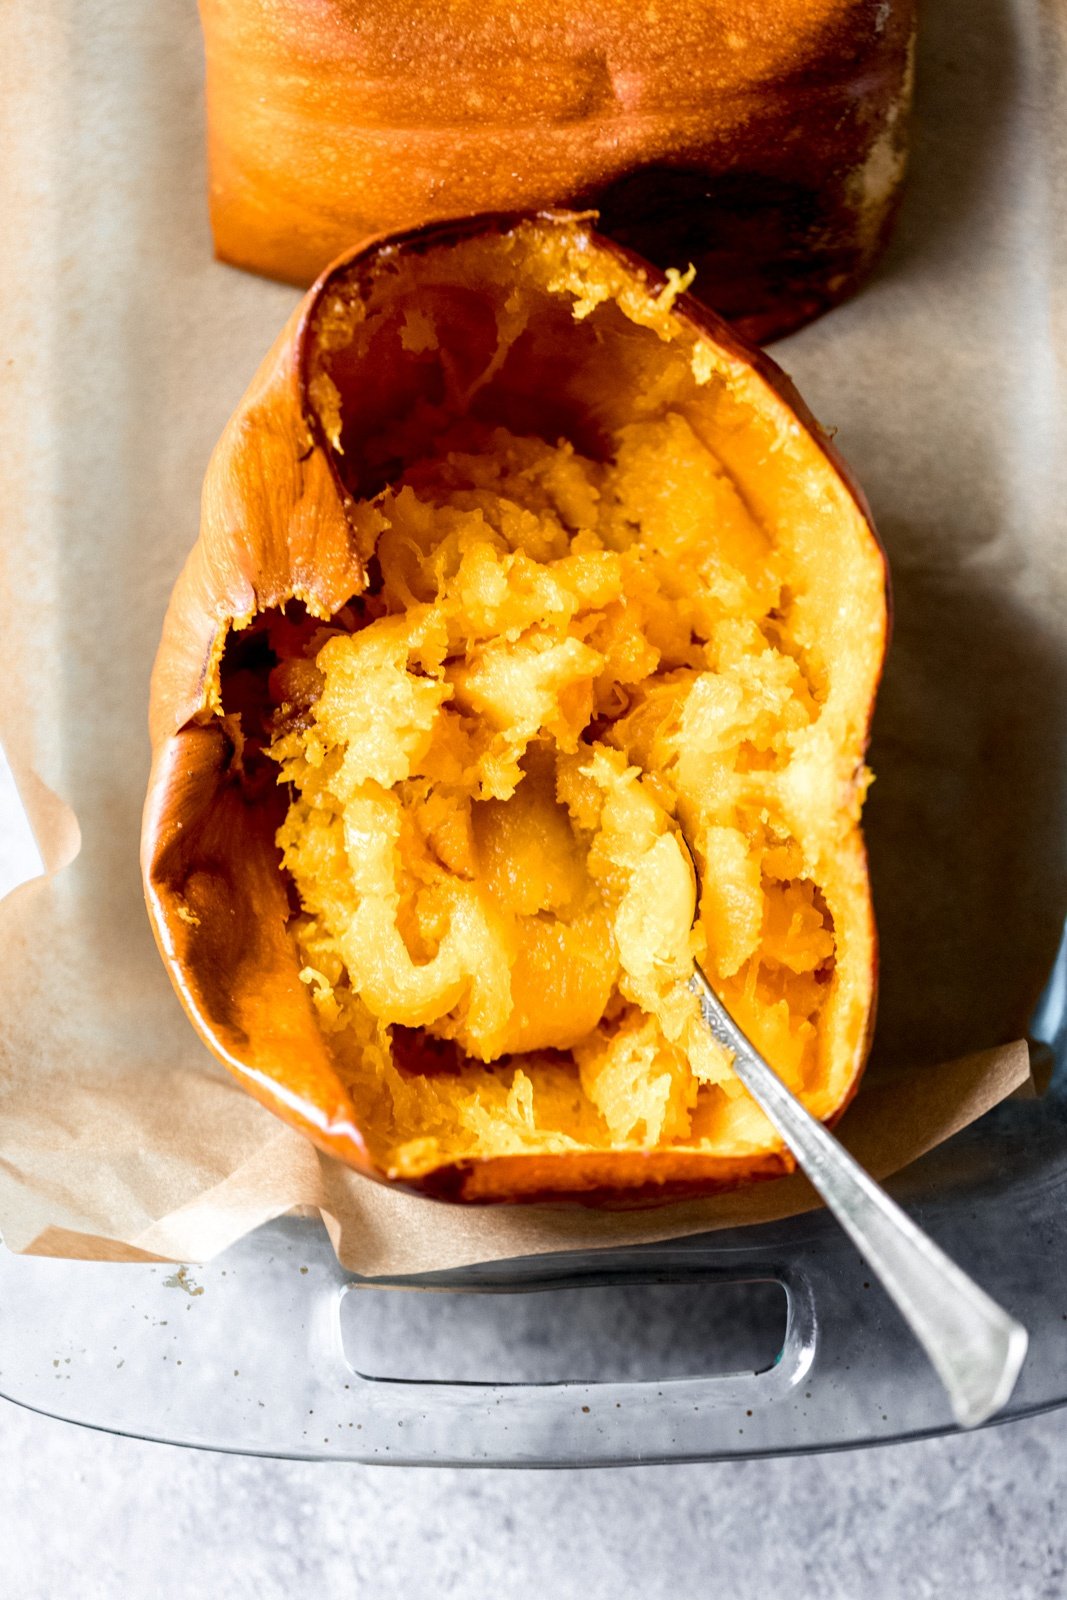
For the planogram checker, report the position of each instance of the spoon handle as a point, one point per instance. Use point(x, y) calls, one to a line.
point(974, 1346)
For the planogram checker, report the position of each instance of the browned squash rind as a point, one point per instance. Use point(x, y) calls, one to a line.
point(764, 143)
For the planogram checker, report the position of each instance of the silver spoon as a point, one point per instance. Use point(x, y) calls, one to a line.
point(976, 1349)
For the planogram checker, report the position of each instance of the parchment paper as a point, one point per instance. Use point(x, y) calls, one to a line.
point(127, 347)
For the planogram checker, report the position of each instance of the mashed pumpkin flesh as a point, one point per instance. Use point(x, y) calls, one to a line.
point(562, 659)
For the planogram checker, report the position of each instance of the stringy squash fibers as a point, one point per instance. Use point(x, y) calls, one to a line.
point(561, 658)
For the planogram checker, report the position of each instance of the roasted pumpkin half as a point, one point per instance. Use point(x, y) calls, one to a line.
point(763, 141)
point(515, 564)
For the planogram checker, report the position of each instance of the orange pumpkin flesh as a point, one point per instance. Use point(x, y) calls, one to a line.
point(511, 560)
point(763, 142)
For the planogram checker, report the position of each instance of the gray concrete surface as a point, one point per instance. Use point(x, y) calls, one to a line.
point(84, 1516)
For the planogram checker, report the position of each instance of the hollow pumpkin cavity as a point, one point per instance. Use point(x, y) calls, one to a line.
point(615, 592)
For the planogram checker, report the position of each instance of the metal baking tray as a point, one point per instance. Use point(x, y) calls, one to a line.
point(272, 1349)
point(763, 1340)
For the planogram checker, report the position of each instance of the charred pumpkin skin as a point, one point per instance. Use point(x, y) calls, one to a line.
point(764, 143)
point(275, 527)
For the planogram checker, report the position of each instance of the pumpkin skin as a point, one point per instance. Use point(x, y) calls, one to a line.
point(762, 142)
point(278, 526)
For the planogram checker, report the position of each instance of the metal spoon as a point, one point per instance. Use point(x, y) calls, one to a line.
point(976, 1349)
